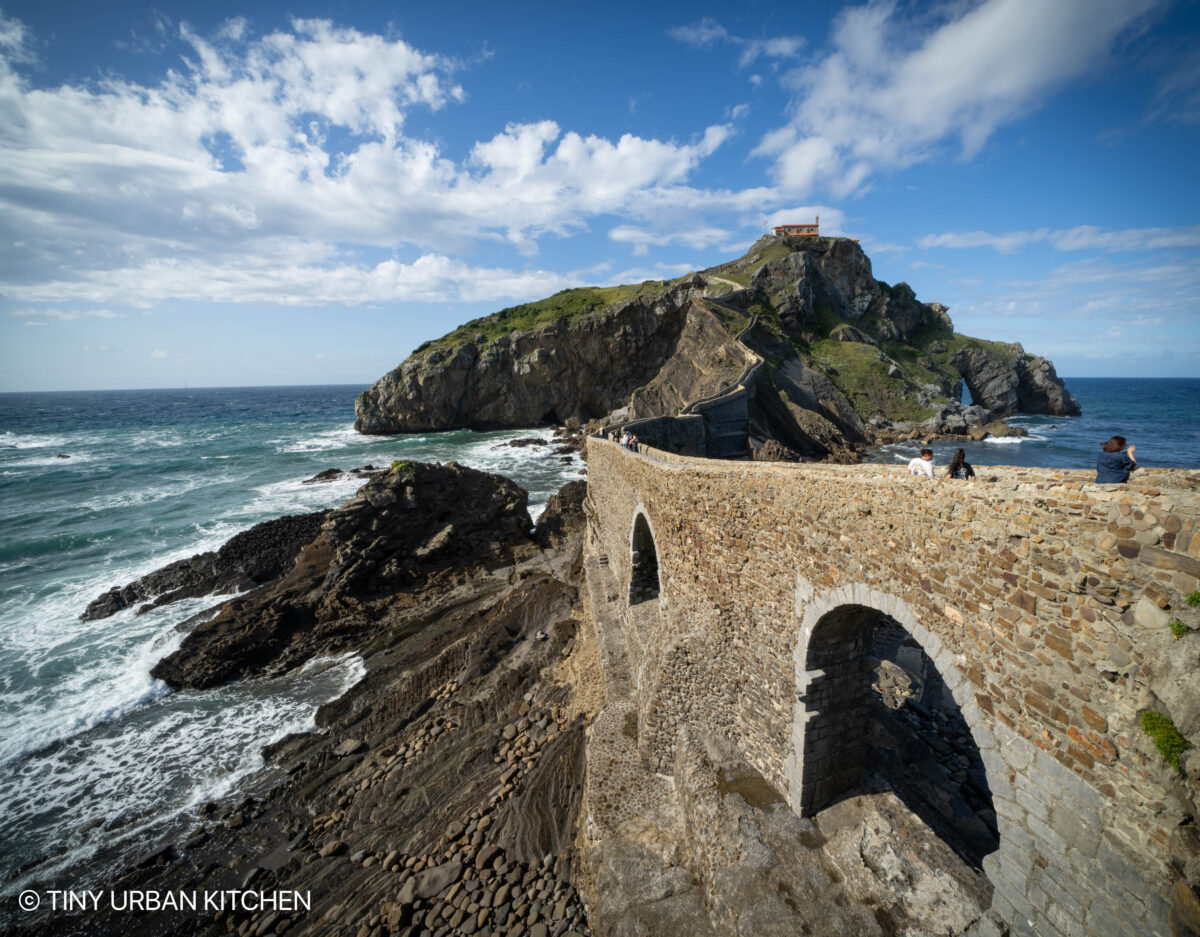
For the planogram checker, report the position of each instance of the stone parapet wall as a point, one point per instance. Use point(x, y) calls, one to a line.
point(1037, 594)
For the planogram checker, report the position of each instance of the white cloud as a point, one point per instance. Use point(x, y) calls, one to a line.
point(240, 171)
point(1081, 237)
point(642, 239)
point(61, 315)
point(888, 96)
point(99, 348)
point(280, 280)
point(708, 32)
point(161, 353)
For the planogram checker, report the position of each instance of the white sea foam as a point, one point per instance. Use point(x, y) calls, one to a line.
point(109, 678)
point(295, 497)
point(1007, 440)
point(159, 492)
point(35, 440)
point(129, 777)
point(339, 438)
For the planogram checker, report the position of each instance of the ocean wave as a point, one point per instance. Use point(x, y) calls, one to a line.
point(46, 461)
point(161, 440)
point(1008, 440)
point(161, 492)
point(35, 440)
point(125, 780)
point(331, 439)
point(106, 679)
point(294, 497)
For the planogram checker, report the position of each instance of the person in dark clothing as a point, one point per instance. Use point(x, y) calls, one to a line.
point(1113, 465)
point(960, 468)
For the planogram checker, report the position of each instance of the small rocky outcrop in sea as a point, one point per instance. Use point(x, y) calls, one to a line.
point(1006, 381)
point(255, 556)
point(337, 474)
point(415, 523)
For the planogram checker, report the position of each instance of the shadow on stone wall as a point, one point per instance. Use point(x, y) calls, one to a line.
point(880, 718)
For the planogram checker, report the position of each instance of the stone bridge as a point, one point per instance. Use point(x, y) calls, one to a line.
point(747, 591)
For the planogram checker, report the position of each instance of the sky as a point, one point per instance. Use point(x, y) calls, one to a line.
point(226, 194)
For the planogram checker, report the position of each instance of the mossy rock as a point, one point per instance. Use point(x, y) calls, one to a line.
point(1167, 739)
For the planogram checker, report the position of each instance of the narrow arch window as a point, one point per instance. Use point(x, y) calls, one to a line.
point(881, 718)
point(643, 583)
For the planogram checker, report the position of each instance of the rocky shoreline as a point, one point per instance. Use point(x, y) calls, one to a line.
point(440, 794)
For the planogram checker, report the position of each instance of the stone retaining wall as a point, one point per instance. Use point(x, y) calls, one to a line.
point(1029, 591)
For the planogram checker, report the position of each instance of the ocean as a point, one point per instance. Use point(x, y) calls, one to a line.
point(1159, 416)
point(95, 755)
point(97, 758)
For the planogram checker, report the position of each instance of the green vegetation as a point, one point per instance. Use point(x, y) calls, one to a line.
point(405, 468)
point(1178, 628)
point(859, 374)
point(1193, 598)
point(1166, 737)
point(565, 306)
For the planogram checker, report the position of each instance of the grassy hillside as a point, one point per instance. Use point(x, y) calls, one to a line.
point(568, 306)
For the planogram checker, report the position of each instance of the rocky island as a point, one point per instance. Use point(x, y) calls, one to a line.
point(831, 359)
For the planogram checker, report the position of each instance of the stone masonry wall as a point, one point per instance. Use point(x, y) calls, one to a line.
point(1028, 591)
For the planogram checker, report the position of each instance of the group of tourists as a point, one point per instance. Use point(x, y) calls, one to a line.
point(625, 438)
point(959, 468)
point(1113, 466)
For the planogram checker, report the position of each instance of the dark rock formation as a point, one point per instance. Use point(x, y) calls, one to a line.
point(840, 348)
point(563, 517)
point(774, 451)
point(411, 525)
point(255, 556)
point(526, 441)
point(561, 370)
point(1006, 380)
point(336, 474)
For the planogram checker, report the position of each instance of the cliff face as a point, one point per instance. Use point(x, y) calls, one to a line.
point(850, 359)
point(561, 370)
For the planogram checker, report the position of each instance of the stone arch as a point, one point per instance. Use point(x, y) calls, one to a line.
point(831, 746)
point(645, 574)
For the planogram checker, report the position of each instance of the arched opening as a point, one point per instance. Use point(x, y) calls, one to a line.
point(643, 583)
point(879, 717)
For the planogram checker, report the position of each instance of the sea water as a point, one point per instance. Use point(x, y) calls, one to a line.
point(99, 488)
point(1159, 416)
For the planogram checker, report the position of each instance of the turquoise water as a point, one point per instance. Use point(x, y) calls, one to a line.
point(91, 748)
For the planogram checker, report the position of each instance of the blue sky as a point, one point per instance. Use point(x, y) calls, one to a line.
point(193, 194)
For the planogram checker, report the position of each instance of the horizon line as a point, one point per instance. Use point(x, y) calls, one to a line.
point(126, 390)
